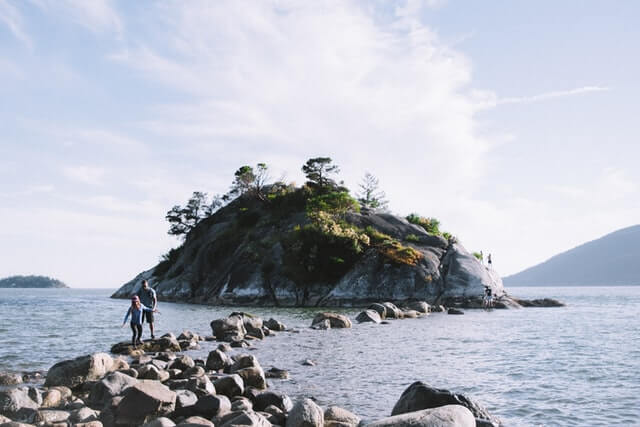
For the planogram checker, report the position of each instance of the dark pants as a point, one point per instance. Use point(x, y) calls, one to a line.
point(137, 333)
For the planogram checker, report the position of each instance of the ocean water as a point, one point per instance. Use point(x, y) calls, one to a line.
point(573, 366)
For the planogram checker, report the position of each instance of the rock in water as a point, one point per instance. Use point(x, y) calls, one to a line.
point(380, 309)
point(443, 416)
point(146, 398)
point(419, 306)
point(393, 312)
point(274, 325)
point(305, 413)
point(336, 320)
point(368, 316)
point(269, 398)
point(420, 396)
point(455, 311)
point(227, 328)
point(72, 373)
point(218, 360)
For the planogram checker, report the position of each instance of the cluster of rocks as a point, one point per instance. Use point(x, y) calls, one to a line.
point(158, 385)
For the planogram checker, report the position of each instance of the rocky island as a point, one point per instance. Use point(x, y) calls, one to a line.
point(314, 245)
point(31, 282)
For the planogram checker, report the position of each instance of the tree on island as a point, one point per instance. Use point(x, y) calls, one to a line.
point(317, 170)
point(248, 180)
point(184, 219)
point(370, 195)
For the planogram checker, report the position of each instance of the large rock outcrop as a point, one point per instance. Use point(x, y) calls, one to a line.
point(244, 255)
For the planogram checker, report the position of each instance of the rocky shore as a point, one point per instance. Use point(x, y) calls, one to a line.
point(159, 384)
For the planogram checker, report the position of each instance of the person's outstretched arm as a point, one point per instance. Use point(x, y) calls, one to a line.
point(126, 316)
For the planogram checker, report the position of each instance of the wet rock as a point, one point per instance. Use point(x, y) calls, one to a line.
point(305, 413)
point(272, 398)
point(253, 377)
point(274, 325)
point(196, 421)
point(380, 309)
point(308, 362)
point(231, 385)
point(336, 320)
point(393, 312)
point(183, 363)
point(281, 374)
point(189, 336)
point(13, 400)
point(110, 386)
point(335, 416)
point(247, 418)
point(160, 422)
point(443, 416)
point(543, 302)
point(72, 373)
point(218, 360)
point(239, 343)
point(323, 325)
point(420, 396)
point(83, 415)
point(146, 398)
point(229, 327)
point(10, 378)
point(212, 406)
point(454, 311)
point(368, 316)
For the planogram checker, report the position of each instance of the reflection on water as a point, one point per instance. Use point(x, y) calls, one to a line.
point(577, 365)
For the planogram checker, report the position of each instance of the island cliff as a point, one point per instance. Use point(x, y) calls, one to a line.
point(279, 252)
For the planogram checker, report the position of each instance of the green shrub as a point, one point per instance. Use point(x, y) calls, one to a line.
point(478, 255)
point(375, 236)
point(412, 238)
point(334, 202)
point(431, 225)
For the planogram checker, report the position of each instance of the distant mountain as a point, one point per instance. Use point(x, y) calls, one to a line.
point(31, 282)
point(610, 260)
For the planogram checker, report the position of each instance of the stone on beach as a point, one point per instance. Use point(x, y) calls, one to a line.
point(454, 311)
point(305, 413)
point(144, 399)
point(218, 360)
point(160, 422)
point(419, 306)
point(10, 378)
point(380, 309)
point(443, 416)
point(369, 316)
point(15, 403)
point(336, 320)
point(392, 312)
point(272, 398)
point(335, 416)
point(107, 388)
point(275, 325)
point(230, 385)
point(227, 328)
point(196, 421)
point(72, 373)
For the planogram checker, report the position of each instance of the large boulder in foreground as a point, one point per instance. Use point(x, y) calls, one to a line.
point(336, 320)
point(107, 388)
point(335, 416)
point(145, 399)
point(14, 401)
point(305, 413)
point(443, 416)
point(419, 396)
point(72, 373)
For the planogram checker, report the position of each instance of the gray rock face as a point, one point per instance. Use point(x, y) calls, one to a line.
point(420, 396)
point(72, 373)
point(443, 416)
point(368, 316)
point(305, 413)
point(107, 388)
point(144, 399)
point(227, 328)
point(444, 271)
point(51, 416)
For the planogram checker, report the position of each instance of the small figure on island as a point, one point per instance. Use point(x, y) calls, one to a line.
point(489, 260)
point(135, 311)
point(148, 298)
point(481, 257)
point(487, 301)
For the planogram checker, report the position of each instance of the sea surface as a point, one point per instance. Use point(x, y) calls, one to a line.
point(573, 366)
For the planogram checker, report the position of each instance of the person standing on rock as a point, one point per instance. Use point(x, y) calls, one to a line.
point(489, 260)
point(135, 311)
point(148, 298)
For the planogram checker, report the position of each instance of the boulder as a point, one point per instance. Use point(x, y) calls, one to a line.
point(13, 401)
point(253, 377)
point(51, 416)
point(274, 325)
point(241, 404)
point(110, 386)
point(212, 406)
point(305, 413)
point(185, 401)
point(183, 363)
point(152, 372)
point(89, 424)
point(83, 415)
point(272, 398)
point(335, 416)
point(275, 415)
point(196, 371)
point(246, 418)
point(443, 416)
point(36, 395)
point(119, 364)
point(146, 398)
point(336, 320)
point(10, 378)
point(189, 336)
point(454, 311)
point(196, 421)
point(160, 364)
point(200, 385)
point(393, 312)
point(73, 373)
point(218, 360)
point(231, 385)
point(130, 372)
point(419, 306)
point(281, 374)
point(160, 422)
point(380, 309)
point(244, 361)
point(420, 396)
point(224, 347)
point(410, 314)
point(368, 316)
point(323, 325)
point(228, 327)
point(51, 399)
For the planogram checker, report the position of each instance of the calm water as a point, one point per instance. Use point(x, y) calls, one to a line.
point(578, 365)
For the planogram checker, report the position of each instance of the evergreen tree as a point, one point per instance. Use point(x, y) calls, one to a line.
point(318, 170)
point(370, 196)
point(184, 219)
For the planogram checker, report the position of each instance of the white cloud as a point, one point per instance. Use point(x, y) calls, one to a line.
point(489, 100)
point(84, 174)
point(95, 15)
point(11, 17)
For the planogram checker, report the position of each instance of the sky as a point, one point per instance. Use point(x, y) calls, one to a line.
point(512, 122)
